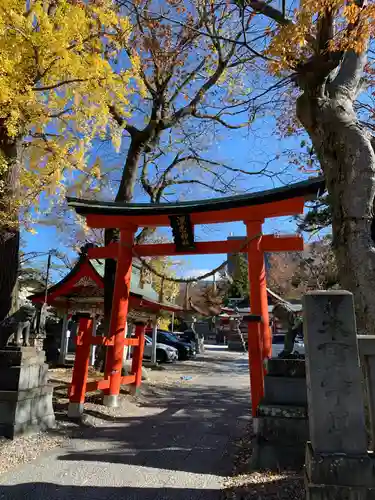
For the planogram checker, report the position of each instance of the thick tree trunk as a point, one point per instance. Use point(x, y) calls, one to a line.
point(9, 258)
point(9, 228)
point(125, 193)
point(129, 175)
point(346, 154)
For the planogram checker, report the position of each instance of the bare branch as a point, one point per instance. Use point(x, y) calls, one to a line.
point(218, 119)
point(187, 80)
point(266, 9)
point(61, 113)
point(146, 184)
point(209, 83)
point(121, 122)
point(60, 84)
point(195, 181)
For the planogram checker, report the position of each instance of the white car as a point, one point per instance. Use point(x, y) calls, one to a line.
point(278, 344)
point(164, 353)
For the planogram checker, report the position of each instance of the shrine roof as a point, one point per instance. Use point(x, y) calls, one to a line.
point(308, 189)
point(84, 283)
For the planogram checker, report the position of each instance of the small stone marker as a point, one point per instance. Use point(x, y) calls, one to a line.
point(25, 395)
point(333, 375)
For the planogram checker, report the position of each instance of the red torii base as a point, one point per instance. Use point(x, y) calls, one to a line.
point(112, 377)
point(259, 334)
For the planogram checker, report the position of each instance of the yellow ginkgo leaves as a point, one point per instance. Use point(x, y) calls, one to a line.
point(59, 75)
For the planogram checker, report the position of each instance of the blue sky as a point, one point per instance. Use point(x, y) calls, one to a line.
point(240, 150)
point(245, 149)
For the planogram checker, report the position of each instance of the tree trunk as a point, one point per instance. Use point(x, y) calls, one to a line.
point(129, 175)
point(9, 227)
point(125, 193)
point(345, 150)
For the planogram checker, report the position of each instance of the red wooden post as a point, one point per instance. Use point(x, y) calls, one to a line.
point(259, 336)
point(255, 366)
point(258, 285)
point(120, 304)
point(77, 388)
point(137, 359)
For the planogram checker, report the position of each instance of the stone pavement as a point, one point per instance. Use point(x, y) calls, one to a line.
point(176, 446)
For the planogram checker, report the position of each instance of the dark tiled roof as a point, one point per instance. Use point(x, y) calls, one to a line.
point(310, 188)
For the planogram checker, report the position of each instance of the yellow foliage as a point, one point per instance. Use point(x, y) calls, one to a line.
point(293, 43)
point(57, 83)
point(167, 290)
point(164, 322)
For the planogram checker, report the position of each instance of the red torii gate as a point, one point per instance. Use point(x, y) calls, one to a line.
point(252, 209)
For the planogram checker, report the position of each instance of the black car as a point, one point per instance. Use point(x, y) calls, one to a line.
point(188, 336)
point(185, 349)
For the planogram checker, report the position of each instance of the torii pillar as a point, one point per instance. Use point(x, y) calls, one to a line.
point(259, 335)
point(119, 313)
point(258, 284)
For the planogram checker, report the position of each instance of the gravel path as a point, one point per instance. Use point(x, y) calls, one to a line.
point(173, 442)
point(245, 485)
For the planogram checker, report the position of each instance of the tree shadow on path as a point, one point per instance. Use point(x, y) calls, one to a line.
point(180, 428)
point(51, 491)
point(282, 489)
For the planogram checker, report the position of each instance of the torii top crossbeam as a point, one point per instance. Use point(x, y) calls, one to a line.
point(288, 200)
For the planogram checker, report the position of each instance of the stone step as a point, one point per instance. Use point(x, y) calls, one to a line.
point(235, 345)
point(23, 377)
point(270, 456)
point(285, 390)
point(26, 411)
point(340, 469)
point(284, 430)
point(338, 492)
point(11, 431)
point(286, 367)
point(17, 356)
point(281, 435)
point(15, 396)
point(281, 410)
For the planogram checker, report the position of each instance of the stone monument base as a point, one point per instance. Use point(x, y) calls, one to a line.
point(25, 396)
point(339, 476)
point(281, 433)
point(282, 423)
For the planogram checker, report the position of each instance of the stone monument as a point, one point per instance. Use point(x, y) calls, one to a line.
point(338, 465)
point(282, 425)
point(25, 396)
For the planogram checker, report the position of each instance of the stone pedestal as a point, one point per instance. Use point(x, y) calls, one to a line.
point(282, 425)
point(285, 382)
point(366, 344)
point(25, 396)
point(338, 465)
point(339, 476)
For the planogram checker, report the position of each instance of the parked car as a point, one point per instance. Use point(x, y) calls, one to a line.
point(278, 344)
point(164, 353)
point(299, 345)
point(188, 336)
point(185, 350)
